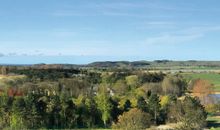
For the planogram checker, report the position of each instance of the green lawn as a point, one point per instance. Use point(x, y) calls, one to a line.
point(214, 78)
point(214, 122)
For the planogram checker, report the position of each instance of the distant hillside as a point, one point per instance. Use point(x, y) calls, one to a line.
point(157, 64)
point(119, 64)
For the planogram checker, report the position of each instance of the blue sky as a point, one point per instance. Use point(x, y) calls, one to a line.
point(83, 31)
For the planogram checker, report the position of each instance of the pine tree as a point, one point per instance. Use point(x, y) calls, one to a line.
point(154, 106)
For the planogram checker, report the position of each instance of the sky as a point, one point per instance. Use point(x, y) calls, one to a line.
point(84, 31)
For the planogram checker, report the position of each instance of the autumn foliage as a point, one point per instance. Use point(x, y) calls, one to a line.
point(202, 89)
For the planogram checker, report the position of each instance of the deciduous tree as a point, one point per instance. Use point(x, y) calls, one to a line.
point(133, 120)
point(202, 89)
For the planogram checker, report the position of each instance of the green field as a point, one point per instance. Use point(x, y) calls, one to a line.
point(214, 78)
point(214, 122)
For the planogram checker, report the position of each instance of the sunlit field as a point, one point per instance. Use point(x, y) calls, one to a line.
point(214, 78)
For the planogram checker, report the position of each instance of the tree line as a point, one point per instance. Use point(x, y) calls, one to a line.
point(98, 99)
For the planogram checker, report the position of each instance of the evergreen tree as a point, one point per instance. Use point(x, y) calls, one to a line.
point(142, 104)
point(154, 106)
point(194, 116)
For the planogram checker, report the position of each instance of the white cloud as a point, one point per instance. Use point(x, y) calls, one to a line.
point(172, 38)
point(160, 23)
point(69, 13)
point(181, 36)
point(63, 33)
point(201, 29)
point(125, 9)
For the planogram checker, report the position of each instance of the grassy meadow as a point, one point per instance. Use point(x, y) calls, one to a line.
point(214, 78)
point(214, 122)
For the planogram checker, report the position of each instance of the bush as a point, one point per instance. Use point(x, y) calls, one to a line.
point(133, 119)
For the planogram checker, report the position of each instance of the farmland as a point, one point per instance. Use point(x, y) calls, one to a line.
point(214, 78)
point(214, 122)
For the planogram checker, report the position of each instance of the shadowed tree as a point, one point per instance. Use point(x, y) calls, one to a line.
point(154, 106)
point(173, 86)
point(142, 104)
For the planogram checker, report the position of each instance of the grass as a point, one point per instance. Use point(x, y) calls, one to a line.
point(214, 122)
point(214, 78)
point(5, 79)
